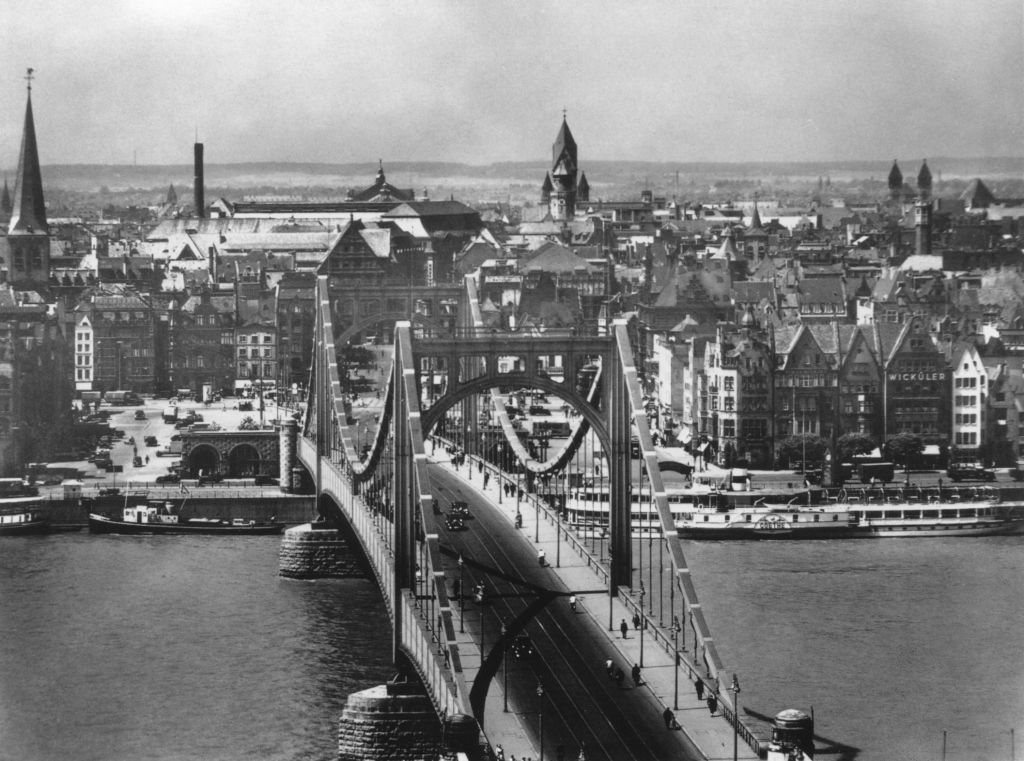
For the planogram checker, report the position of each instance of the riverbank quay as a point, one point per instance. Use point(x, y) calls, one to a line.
point(575, 566)
point(228, 502)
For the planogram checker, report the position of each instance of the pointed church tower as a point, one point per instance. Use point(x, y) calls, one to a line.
point(924, 181)
point(564, 168)
point(28, 235)
point(5, 201)
point(583, 189)
point(895, 181)
point(172, 196)
point(545, 189)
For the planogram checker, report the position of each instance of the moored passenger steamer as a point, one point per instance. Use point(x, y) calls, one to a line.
point(21, 509)
point(916, 512)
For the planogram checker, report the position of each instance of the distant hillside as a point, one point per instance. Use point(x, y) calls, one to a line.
point(90, 177)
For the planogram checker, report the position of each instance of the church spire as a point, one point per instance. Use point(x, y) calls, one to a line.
point(755, 221)
point(924, 181)
point(28, 213)
point(563, 151)
point(5, 200)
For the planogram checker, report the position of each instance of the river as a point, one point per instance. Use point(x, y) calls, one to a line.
point(174, 648)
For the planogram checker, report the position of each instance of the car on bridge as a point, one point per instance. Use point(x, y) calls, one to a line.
point(168, 478)
point(460, 510)
point(522, 646)
point(454, 523)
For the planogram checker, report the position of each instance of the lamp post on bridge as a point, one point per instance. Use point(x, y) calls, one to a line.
point(734, 688)
point(462, 605)
point(540, 711)
point(643, 622)
point(675, 648)
point(504, 665)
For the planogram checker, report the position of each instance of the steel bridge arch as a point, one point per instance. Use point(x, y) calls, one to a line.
point(387, 317)
point(591, 416)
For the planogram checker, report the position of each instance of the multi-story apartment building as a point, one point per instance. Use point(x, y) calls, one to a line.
point(256, 352)
point(35, 392)
point(915, 384)
point(967, 415)
point(117, 340)
point(739, 368)
point(202, 342)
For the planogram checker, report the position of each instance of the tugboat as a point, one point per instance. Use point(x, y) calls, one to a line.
point(792, 736)
point(159, 518)
point(21, 510)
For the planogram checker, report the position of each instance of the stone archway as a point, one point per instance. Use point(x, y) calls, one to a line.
point(244, 461)
point(204, 458)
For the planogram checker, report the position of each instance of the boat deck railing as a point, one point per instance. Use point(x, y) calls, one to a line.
point(901, 495)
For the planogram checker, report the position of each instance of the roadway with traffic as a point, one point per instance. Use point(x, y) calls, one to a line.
point(582, 706)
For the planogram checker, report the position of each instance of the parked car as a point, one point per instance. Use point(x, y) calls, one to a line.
point(150, 441)
point(966, 471)
point(168, 478)
point(140, 414)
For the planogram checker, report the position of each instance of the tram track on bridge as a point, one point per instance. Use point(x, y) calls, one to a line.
point(570, 655)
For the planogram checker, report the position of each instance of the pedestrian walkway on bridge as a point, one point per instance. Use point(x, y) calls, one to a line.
point(579, 569)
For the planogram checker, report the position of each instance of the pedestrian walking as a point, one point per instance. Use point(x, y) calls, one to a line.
point(609, 668)
point(669, 717)
point(620, 677)
point(499, 753)
point(712, 703)
point(636, 620)
point(147, 459)
point(636, 675)
point(487, 477)
point(624, 628)
point(699, 685)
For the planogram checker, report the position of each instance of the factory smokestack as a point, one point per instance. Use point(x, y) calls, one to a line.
point(200, 200)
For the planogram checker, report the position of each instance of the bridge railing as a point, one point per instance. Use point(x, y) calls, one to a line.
point(433, 650)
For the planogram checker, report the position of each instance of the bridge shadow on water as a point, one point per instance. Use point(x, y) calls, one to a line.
point(823, 746)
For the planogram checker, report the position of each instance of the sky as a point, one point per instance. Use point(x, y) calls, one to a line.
point(481, 82)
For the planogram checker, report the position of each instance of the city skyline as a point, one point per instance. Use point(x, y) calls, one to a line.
point(790, 81)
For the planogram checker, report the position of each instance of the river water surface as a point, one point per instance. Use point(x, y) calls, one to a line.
point(172, 648)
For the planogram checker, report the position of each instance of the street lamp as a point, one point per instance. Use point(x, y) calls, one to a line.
point(540, 699)
point(504, 664)
point(734, 688)
point(643, 623)
point(675, 647)
point(462, 597)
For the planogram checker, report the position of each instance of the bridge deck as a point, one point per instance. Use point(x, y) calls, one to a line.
point(579, 570)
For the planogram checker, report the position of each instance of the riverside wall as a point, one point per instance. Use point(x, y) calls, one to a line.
point(226, 503)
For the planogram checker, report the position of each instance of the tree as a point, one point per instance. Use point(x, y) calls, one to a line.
point(248, 424)
point(850, 444)
point(904, 448)
point(801, 447)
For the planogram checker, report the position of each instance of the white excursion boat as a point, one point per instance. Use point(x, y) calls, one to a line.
point(721, 506)
point(914, 512)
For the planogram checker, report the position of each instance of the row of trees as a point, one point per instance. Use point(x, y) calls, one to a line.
point(903, 449)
